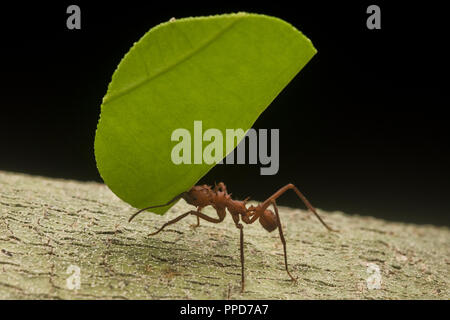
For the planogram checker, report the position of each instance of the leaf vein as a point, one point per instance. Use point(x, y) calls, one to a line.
point(171, 66)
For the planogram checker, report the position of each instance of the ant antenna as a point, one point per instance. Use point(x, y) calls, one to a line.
point(158, 206)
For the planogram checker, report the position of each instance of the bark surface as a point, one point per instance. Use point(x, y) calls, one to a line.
point(50, 229)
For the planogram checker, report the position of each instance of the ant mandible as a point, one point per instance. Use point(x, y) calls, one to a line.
point(220, 199)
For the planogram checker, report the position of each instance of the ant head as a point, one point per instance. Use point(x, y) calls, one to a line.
point(199, 196)
point(189, 197)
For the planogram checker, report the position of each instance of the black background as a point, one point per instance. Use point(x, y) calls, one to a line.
point(363, 127)
point(119, 309)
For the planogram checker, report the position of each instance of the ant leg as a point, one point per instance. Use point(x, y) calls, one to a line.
point(184, 215)
point(277, 194)
point(249, 218)
point(241, 228)
point(158, 206)
point(283, 241)
point(221, 215)
point(194, 226)
point(220, 212)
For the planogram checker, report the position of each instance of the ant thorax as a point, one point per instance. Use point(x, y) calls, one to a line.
point(221, 199)
point(236, 207)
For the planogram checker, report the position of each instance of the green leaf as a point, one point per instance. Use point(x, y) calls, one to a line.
point(223, 70)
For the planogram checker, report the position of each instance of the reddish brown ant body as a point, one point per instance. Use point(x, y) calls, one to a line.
point(220, 200)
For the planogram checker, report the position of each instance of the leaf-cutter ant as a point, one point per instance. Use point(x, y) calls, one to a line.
point(220, 200)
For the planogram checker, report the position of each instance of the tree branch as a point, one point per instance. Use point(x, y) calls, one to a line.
point(47, 225)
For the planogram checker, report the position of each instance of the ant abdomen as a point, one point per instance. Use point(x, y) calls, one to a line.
point(268, 220)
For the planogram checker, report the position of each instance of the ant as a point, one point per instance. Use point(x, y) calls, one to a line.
point(220, 199)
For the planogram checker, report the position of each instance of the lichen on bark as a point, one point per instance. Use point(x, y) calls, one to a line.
point(47, 225)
